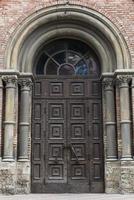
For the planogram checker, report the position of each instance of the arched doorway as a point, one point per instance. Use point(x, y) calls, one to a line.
point(108, 48)
point(67, 139)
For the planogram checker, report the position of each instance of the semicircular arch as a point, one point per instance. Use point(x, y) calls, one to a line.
point(84, 24)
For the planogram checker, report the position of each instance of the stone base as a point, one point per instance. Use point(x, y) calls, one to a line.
point(15, 177)
point(112, 176)
point(127, 177)
point(119, 176)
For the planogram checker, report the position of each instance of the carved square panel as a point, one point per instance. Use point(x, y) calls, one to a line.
point(77, 111)
point(78, 171)
point(56, 89)
point(78, 130)
point(77, 88)
point(79, 151)
point(56, 111)
point(55, 172)
point(56, 130)
point(55, 151)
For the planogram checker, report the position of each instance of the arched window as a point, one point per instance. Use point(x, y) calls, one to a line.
point(68, 57)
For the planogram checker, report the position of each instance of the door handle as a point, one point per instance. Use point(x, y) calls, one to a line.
point(73, 150)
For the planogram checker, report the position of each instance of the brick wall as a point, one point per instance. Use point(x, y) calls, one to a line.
point(13, 12)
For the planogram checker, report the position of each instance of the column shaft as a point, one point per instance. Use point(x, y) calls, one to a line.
point(24, 118)
point(125, 116)
point(1, 108)
point(9, 122)
point(110, 121)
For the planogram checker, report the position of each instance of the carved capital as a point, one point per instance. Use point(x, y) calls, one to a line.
point(25, 83)
point(10, 80)
point(123, 80)
point(108, 83)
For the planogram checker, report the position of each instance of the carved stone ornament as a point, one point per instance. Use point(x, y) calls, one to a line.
point(8, 79)
point(123, 79)
point(108, 83)
point(25, 83)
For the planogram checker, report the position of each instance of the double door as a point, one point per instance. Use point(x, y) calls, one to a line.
point(67, 143)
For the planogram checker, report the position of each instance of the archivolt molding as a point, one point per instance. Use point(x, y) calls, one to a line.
point(68, 21)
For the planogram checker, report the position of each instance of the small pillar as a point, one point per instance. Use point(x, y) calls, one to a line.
point(25, 99)
point(1, 105)
point(110, 122)
point(9, 122)
point(125, 120)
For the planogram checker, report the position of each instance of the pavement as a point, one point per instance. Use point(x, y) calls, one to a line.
point(69, 197)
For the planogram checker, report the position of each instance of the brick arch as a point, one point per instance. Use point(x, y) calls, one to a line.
point(50, 23)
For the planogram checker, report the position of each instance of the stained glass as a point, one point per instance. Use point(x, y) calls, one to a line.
point(68, 57)
point(66, 70)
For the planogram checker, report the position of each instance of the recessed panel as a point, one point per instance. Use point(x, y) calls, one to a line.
point(56, 152)
point(96, 110)
point(96, 151)
point(78, 171)
point(96, 130)
point(56, 111)
point(37, 151)
point(37, 88)
point(56, 131)
point(37, 131)
point(78, 150)
point(95, 88)
point(77, 111)
point(36, 171)
point(37, 111)
point(56, 89)
point(78, 130)
point(55, 172)
point(97, 171)
point(77, 89)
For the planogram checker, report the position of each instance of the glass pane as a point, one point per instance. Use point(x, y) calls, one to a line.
point(93, 65)
point(66, 70)
point(51, 68)
point(81, 68)
point(56, 46)
point(72, 57)
point(41, 64)
point(60, 57)
point(77, 46)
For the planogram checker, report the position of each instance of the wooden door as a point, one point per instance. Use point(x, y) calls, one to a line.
point(67, 142)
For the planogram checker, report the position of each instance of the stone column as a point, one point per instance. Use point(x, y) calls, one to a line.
point(25, 87)
point(1, 108)
point(9, 121)
point(110, 122)
point(125, 121)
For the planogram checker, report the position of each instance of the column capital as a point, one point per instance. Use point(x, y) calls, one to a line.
point(108, 83)
point(10, 80)
point(25, 83)
point(123, 80)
